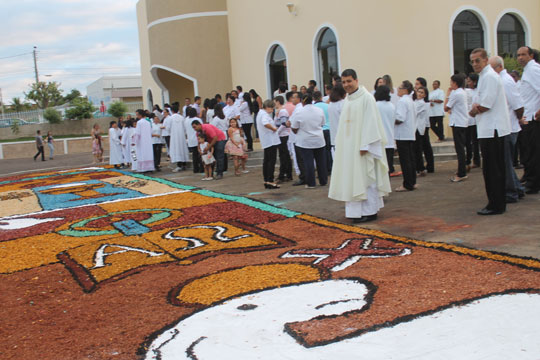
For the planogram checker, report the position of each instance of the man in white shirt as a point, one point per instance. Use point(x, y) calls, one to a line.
point(405, 135)
point(493, 124)
point(296, 100)
point(197, 105)
point(514, 189)
point(187, 102)
point(530, 135)
point(436, 113)
point(157, 142)
point(456, 105)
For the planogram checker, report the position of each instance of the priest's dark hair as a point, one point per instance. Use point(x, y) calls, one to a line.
point(175, 107)
point(307, 100)
point(349, 72)
point(338, 93)
point(382, 93)
point(459, 79)
point(191, 112)
point(422, 81)
point(141, 112)
point(218, 111)
point(407, 86)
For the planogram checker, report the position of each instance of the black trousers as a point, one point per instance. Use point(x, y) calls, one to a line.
point(269, 163)
point(405, 150)
point(157, 154)
point(167, 141)
point(196, 159)
point(436, 123)
point(472, 146)
point(41, 150)
point(460, 137)
point(328, 148)
point(526, 152)
point(319, 155)
point(249, 138)
point(493, 167)
point(423, 147)
point(390, 159)
point(285, 162)
point(533, 161)
point(300, 163)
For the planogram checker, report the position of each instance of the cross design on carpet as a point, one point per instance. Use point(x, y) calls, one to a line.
point(347, 254)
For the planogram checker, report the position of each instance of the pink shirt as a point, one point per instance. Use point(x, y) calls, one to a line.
point(289, 107)
point(210, 131)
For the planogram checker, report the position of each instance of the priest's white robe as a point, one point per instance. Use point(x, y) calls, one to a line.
point(360, 180)
point(142, 138)
point(179, 151)
point(115, 147)
point(127, 133)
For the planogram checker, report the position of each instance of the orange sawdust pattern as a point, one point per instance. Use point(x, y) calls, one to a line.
point(224, 285)
point(530, 263)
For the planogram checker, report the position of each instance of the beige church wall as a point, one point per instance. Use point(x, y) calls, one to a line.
point(179, 88)
point(159, 9)
point(147, 81)
point(403, 40)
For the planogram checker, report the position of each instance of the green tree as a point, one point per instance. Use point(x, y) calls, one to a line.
point(511, 63)
point(81, 109)
point(52, 116)
point(45, 94)
point(15, 126)
point(117, 109)
point(74, 94)
point(17, 105)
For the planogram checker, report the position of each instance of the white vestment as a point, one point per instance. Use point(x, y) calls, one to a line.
point(142, 138)
point(179, 151)
point(127, 133)
point(115, 147)
point(360, 180)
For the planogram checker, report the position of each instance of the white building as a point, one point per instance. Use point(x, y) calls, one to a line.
point(113, 88)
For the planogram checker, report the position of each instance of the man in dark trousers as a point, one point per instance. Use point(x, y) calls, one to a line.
point(39, 145)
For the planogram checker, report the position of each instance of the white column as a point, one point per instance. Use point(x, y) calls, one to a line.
point(1, 152)
point(65, 146)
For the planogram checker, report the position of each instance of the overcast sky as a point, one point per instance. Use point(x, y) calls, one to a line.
point(77, 41)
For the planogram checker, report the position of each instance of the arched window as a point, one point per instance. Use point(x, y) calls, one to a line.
point(468, 34)
point(327, 57)
point(510, 35)
point(277, 67)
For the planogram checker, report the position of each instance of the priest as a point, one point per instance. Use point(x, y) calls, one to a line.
point(360, 171)
point(142, 140)
point(178, 151)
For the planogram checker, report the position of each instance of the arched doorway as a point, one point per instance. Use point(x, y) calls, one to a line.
point(510, 35)
point(277, 67)
point(149, 100)
point(327, 63)
point(468, 34)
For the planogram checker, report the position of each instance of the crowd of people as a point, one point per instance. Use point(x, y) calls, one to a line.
point(351, 134)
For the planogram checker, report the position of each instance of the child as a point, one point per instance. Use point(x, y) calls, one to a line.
point(207, 157)
point(236, 147)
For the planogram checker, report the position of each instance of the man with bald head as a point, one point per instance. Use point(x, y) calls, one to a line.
point(492, 126)
point(530, 93)
point(514, 189)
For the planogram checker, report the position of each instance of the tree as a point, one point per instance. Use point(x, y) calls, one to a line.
point(74, 94)
point(45, 94)
point(17, 105)
point(52, 116)
point(117, 109)
point(511, 63)
point(81, 109)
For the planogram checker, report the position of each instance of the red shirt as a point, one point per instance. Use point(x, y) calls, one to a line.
point(210, 131)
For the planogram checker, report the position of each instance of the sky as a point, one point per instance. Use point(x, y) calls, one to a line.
point(77, 41)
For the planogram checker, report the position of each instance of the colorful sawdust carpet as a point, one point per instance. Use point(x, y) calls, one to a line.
point(99, 263)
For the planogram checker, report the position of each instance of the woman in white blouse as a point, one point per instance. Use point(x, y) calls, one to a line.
point(269, 142)
point(388, 116)
point(246, 119)
point(423, 145)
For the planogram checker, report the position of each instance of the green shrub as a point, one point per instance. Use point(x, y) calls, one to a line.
point(52, 116)
point(81, 109)
point(511, 64)
point(15, 126)
point(117, 109)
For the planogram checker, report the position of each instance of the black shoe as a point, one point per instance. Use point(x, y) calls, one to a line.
point(219, 177)
point(521, 195)
point(510, 200)
point(486, 211)
point(365, 219)
point(298, 183)
point(530, 191)
point(271, 186)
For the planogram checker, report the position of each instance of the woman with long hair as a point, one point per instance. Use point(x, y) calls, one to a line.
point(246, 119)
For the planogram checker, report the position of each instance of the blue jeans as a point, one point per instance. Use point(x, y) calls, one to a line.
point(219, 154)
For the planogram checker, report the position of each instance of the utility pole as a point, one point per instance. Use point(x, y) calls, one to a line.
point(35, 65)
point(1, 103)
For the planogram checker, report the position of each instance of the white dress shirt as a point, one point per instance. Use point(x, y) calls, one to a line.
point(513, 98)
point(334, 112)
point(422, 115)
point(309, 122)
point(388, 116)
point(281, 117)
point(529, 89)
point(245, 113)
point(156, 130)
point(221, 124)
point(471, 99)
point(457, 102)
point(231, 112)
point(167, 126)
point(491, 96)
point(436, 109)
point(267, 137)
point(191, 133)
point(406, 113)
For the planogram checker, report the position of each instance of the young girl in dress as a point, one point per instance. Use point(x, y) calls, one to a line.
point(97, 148)
point(207, 157)
point(236, 147)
